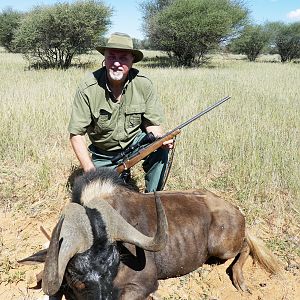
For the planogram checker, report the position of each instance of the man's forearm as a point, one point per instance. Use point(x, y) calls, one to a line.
point(156, 130)
point(80, 149)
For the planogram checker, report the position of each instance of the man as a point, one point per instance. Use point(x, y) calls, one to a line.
point(116, 106)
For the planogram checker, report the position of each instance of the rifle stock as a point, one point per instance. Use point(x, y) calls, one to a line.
point(142, 153)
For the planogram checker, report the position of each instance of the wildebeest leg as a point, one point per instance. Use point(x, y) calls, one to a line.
point(226, 234)
point(237, 273)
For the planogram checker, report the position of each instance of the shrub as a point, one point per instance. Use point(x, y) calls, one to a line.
point(188, 29)
point(10, 21)
point(51, 36)
point(251, 42)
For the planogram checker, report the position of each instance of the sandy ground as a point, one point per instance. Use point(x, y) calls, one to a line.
point(20, 236)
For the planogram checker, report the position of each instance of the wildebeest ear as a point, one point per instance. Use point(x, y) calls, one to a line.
point(34, 259)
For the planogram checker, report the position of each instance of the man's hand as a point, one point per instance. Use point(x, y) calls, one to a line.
point(168, 144)
point(80, 149)
point(158, 132)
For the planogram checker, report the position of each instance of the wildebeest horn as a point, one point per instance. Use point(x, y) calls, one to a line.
point(72, 234)
point(118, 229)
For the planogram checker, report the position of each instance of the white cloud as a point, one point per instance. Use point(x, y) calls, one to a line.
point(294, 15)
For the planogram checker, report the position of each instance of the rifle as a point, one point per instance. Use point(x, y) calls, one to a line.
point(130, 160)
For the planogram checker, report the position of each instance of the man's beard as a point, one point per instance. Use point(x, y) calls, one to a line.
point(116, 75)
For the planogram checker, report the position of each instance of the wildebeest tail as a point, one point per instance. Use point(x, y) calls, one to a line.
point(263, 255)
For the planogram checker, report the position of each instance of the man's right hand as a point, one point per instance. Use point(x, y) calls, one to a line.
point(79, 146)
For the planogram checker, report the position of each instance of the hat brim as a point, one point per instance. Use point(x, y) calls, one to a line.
point(137, 54)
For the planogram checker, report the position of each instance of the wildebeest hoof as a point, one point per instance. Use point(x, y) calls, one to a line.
point(239, 283)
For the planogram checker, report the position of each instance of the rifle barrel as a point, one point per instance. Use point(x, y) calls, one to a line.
point(203, 112)
point(199, 115)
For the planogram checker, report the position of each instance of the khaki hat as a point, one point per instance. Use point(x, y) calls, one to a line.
point(121, 41)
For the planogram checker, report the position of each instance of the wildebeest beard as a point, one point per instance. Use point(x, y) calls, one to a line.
point(89, 275)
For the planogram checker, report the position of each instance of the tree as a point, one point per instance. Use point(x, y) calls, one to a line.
point(287, 41)
point(251, 41)
point(150, 8)
point(272, 28)
point(10, 21)
point(188, 29)
point(145, 44)
point(50, 36)
point(137, 44)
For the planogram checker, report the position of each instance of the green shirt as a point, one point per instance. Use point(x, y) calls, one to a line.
point(113, 125)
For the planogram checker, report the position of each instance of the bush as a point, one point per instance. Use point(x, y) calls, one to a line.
point(287, 41)
point(51, 36)
point(10, 21)
point(251, 42)
point(188, 29)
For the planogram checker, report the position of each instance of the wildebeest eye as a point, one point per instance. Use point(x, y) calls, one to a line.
point(79, 285)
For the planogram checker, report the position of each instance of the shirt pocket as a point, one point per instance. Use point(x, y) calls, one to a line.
point(133, 115)
point(102, 120)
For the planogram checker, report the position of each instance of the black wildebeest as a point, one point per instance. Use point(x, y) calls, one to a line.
point(102, 248)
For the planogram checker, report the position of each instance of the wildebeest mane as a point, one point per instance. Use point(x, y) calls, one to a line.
point(100, 180)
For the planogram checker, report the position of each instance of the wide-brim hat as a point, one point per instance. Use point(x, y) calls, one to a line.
point(121, 41)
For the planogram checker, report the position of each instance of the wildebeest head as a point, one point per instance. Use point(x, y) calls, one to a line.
point(82, 259)
point(88, 275)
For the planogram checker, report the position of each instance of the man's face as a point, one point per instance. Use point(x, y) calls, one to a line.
point(118, 63)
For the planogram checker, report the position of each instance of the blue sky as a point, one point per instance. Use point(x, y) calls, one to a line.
point(127, 17)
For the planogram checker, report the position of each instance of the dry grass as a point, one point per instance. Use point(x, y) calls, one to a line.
point(247, 149)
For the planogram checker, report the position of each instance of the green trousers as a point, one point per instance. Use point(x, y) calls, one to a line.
point(154, 164)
